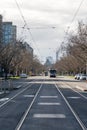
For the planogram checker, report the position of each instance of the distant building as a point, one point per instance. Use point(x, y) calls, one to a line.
point(28, 48)
point(57, 54)
point(14, 33)
point(50, 59)
point(49, 62)
point(0, 28)
point(9, 32)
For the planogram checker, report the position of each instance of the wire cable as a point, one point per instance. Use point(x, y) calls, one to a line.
point(77, 11)
point(75, 14)
point(67, 31)
point(27, 26)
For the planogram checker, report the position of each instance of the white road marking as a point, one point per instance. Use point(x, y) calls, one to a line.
point(73, 112)
point(15, 96)
point(49, 116)
point(2, 92)
point(28, 95)
point(47, 103)
point(74, 97)
point(4, 99)
point(48, 96)
point(28, 110)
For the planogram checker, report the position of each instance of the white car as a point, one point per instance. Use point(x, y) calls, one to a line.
point(83, 77)
point(23, 75)
point(77, 76)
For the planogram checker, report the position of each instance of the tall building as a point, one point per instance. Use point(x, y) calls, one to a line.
point(57, 53)
point(50, 59)
point(0, 28)
point(49, 62)
point(14, 33)
point(9, 33)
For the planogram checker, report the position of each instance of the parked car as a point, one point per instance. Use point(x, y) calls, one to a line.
point(23, 75)
point(83, 77)
point(77, 76)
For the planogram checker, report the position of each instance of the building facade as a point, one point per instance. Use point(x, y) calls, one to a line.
point(1, 29)
point(14, 33)
point(9, 32)
point(49, 62)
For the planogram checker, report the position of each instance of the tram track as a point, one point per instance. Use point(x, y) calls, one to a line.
point(74, 90)
point(16, 106)
point(78, 118)
point(24, 87)
point(18, 127)
point(13, 97)
point(46, 103)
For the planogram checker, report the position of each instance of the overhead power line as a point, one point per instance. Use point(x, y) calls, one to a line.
point(27, 26)
point(73, 18)
point(21, 13)
point(77, 11)
point(75, 14)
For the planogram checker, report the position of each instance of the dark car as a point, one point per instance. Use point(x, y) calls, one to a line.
point(52, 72)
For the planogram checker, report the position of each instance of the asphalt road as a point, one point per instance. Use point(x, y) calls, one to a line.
point(44, 104)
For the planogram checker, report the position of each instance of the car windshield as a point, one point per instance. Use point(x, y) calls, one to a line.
point(52, 71)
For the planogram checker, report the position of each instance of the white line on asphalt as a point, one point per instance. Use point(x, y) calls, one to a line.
point(4, 99)
point(75, 115)
point(27, 111)
point(48, 96)
point(15, 96)
point(29, 96)
point(2, 92)
point(74, 97)
point(49, 116)
point(47, 103)
point(76, 92)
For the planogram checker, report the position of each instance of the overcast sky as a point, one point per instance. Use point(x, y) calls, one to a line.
point(45, 14)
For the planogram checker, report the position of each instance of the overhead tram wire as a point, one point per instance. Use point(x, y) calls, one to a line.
point(21, 13)
point(27, 26)
point(76, 13)
point(22, 32)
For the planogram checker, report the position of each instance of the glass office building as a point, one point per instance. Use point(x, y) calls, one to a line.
point(9, 33)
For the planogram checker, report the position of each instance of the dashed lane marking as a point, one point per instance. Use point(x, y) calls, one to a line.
point(47, 103)
point(48, 96)
point(74, 97)
point(49, 116)
point(4, 99)
point(28, 95)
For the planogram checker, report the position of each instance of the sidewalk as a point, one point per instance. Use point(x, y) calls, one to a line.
point(81, 85)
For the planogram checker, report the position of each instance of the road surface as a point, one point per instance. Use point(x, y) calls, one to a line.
point(43, 103)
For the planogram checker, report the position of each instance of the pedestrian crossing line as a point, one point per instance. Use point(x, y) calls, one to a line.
point(28, 95)
point(49, 104)
point(48, 96)
point(49, 116)
point(73, 97)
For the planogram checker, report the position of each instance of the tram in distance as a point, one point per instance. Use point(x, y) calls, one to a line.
point(52, 72)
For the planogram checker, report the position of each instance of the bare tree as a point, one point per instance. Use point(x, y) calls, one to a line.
point(76, 51)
